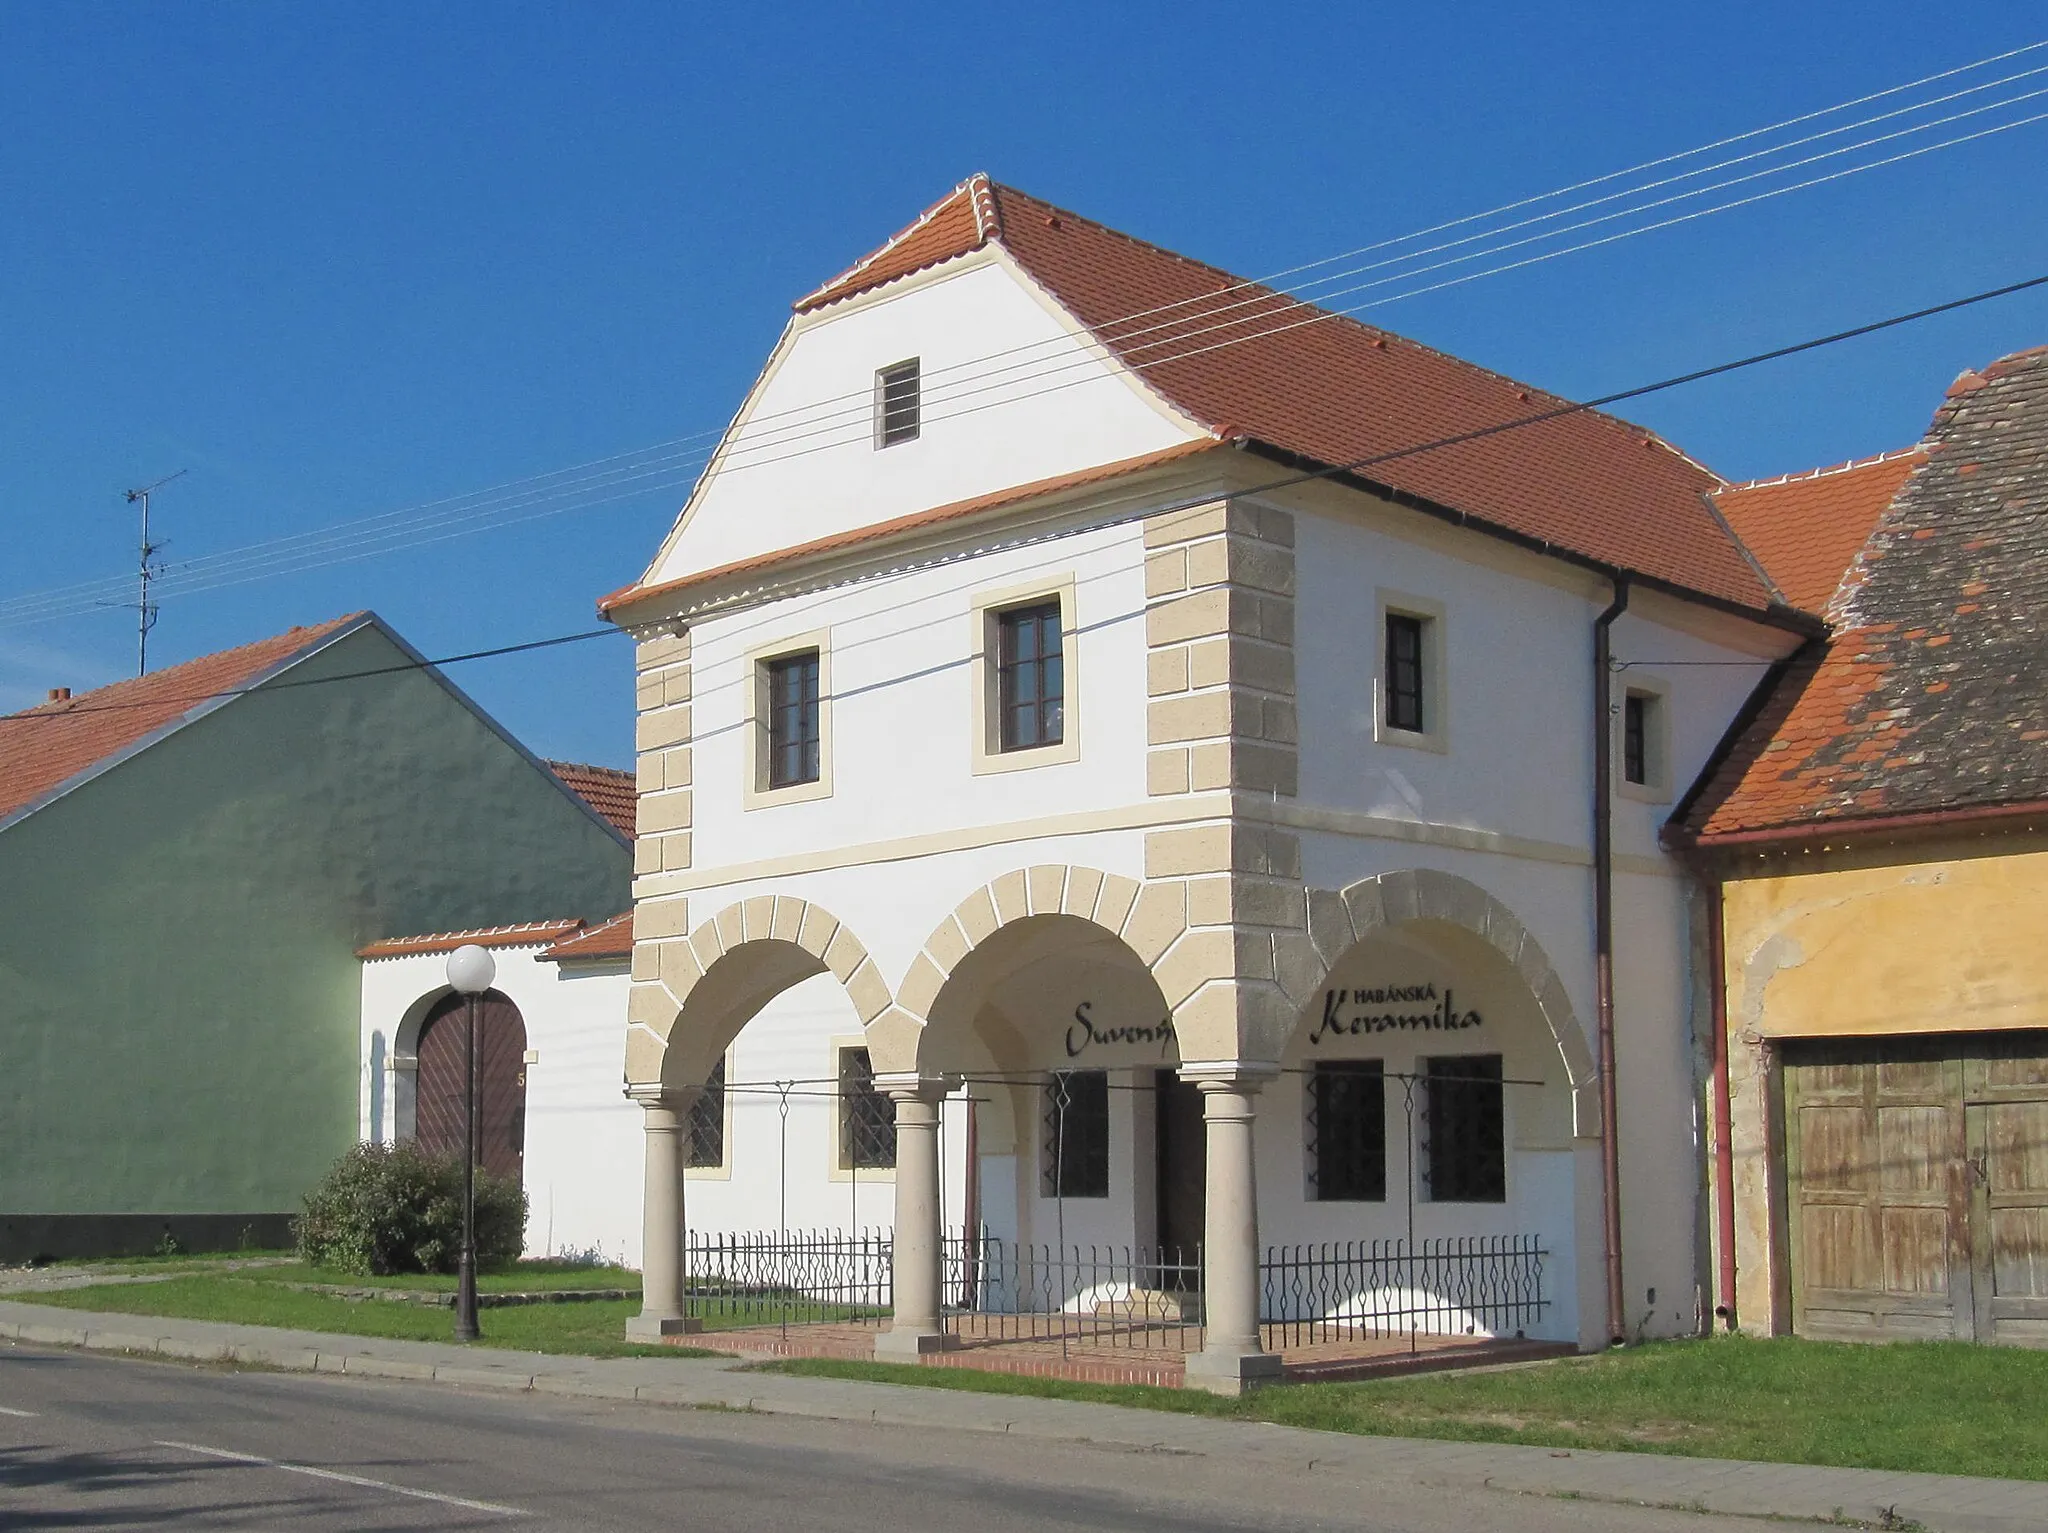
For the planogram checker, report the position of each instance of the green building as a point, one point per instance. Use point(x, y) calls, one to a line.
point(188, 863)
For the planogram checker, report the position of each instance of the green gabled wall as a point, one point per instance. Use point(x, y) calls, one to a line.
point(179, 994)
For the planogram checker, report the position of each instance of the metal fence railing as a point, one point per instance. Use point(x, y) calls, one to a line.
point(785, 1278)
point(1464, 1285)
point(1106, 1295)
point(1142, 1297)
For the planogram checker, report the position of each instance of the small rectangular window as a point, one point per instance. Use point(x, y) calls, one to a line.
point(705, 1146)
point(1465, 1149)
point(1404, 677)
point(1075, 1135)
point(793, 719)
point(867, 1118)
point(897, 404)
point(1347, 1106)
point(1637, 714)
point(1030, 678)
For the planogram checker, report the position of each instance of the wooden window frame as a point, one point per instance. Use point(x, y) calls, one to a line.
point(985, 636)
point(1428, 614)
point(760, 791)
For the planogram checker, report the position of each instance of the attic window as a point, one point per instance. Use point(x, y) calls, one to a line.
point(896, 403)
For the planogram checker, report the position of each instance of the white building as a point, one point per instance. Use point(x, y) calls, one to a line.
point(1078, 660)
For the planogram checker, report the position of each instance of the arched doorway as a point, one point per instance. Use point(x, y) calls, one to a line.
point(500, 1081)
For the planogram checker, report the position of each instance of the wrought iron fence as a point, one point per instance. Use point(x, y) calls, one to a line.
point(1118, 1296)
point(1463, 1285)
point(788, 1277)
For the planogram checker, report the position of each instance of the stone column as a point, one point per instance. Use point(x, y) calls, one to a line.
point(914, 1327)
point(1232, 1359)
point(665, 1114)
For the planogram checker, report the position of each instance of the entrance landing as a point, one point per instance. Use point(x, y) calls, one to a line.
point(1095, 1360)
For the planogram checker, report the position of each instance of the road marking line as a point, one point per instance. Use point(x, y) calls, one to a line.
point(346, 1479)
point(10, 1411)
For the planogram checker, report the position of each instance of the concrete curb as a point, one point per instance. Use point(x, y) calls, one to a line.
point(1881, 1499)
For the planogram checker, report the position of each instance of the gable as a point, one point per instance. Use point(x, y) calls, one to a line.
point(792, 471)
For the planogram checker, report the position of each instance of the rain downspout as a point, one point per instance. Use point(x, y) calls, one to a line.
point(1724, 1116)
point(1603, 950)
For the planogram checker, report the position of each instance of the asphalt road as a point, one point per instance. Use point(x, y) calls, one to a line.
point(97, 1442)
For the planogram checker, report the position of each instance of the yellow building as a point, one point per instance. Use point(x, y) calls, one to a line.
point(1875, 839)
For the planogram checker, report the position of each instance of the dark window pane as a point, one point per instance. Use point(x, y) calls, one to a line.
point(793, 720)
point(705, 1145)
point(867, 1118)
point(1348, 1131)
point(1635, 737)
point(1030, 677)
point(1075, 1135)
point(897, 404)
point(1465, 1149)
point(1404, 671)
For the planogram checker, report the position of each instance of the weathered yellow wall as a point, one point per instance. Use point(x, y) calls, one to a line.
point(1932, 938)
point(1925, 946)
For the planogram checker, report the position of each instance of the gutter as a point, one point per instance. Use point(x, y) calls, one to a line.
point(1603, 949)
point(1788, 837)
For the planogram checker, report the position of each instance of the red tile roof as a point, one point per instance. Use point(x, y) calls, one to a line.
point(523, 934)
point(1242, 359)
point(1805, 529)
point(608, 939)
point(1931, 698)
point(611, 792)
point(45, 748)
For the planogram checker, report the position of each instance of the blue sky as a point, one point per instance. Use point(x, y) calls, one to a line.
point(340, 261)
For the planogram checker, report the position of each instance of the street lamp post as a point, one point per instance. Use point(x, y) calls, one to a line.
point(470, 971)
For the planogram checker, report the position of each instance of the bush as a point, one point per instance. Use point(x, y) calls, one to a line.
point(390, 1208)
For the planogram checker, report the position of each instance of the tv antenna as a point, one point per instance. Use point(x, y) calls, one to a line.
point(148, 568)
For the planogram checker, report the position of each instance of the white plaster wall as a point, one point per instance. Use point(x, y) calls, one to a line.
point(903, 722)
point(1047, 409)
point(583, 1142)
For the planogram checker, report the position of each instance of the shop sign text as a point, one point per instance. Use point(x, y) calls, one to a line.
point(1391, 1009)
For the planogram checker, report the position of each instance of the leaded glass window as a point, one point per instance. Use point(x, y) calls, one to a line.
point(705, 1145)
point(1465, 1129)
point(1347, 1131)
point(867, 1118)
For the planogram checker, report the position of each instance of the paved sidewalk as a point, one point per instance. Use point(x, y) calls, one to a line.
point(1945, 1503)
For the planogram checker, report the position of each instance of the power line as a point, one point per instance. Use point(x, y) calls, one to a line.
point(643, 472)
point(50, 713)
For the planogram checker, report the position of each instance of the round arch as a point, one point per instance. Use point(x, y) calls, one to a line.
point(1338, 920)
point(1044, 910)
point(712, 983)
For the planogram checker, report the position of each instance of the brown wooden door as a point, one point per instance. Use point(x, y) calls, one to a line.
point(2005, 1084)
point(501, 1082)
point(1875, 1139)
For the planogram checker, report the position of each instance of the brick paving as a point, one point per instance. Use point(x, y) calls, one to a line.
point(1129, 1354)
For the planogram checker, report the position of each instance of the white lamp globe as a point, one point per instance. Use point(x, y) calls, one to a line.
point(471, 970)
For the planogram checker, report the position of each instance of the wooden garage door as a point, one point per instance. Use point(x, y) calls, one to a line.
point(2005, 1085)
point(1918, 1176)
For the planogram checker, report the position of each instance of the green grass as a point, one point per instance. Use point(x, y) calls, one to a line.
point(521, 1277)
point(1940, 1407)
point(594, 1329)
